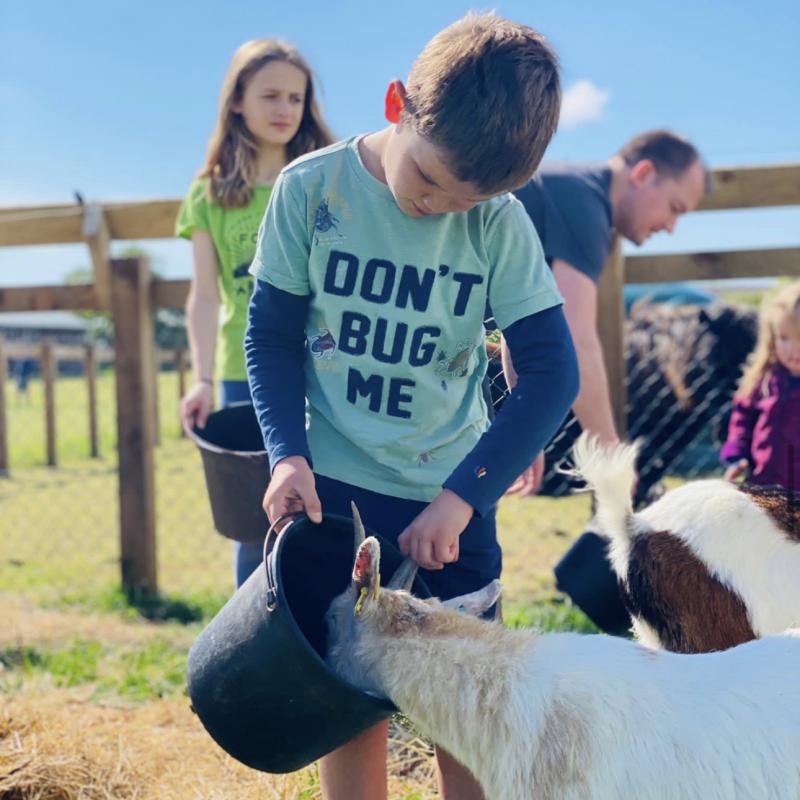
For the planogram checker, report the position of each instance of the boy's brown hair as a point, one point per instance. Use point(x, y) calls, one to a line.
point(487, 92)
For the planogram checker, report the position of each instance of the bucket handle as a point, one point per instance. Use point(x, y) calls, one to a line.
point(272, 534)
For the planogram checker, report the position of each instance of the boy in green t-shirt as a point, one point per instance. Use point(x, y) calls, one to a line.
point(375, 263)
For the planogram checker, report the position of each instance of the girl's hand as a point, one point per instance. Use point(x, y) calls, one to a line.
point(432, 538)
point(292, 489)
point(197, 404)
point(737, 469)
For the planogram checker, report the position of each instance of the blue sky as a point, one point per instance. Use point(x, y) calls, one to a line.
point(118, 100)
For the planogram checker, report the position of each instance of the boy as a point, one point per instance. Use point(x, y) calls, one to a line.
point(380, 254)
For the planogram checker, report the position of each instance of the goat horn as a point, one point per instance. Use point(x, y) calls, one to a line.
point(358, 525)
point(404, 575)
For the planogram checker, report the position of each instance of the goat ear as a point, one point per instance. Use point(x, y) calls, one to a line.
point(367, 573)
point(475, 603)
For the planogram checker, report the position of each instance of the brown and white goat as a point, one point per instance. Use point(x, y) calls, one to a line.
point(568, 716)
point(709, 565)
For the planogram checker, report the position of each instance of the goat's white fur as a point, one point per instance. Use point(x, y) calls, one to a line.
point(577, 717)
point(738, 541)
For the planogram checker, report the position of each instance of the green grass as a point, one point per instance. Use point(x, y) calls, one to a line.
point(179, 607)
point(132, 672)
point(555, 614)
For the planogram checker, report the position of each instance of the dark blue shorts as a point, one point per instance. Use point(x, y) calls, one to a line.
point(479, 559)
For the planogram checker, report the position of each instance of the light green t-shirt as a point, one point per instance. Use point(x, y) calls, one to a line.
point(234, 232)
point(396, 350)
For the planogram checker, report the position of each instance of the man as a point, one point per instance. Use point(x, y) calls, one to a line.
point(577, 210)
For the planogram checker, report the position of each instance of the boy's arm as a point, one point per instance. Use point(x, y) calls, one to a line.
point(274, 348)
point(275, 335)
point(547, 384)
point(593, 404)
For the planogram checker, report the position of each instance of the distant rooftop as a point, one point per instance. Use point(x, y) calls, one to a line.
point(44, 320)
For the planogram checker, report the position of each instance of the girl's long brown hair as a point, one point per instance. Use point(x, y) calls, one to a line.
point(762, 360)
point(232, 154)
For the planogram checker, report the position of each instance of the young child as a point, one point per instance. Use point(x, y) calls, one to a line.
point(764, 430)
point(267, 116)
point(374, 265)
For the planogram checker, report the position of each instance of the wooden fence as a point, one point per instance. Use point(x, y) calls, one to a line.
point(90, 356)
point(127, 289)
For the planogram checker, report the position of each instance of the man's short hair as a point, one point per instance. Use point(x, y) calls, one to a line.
point(487, 92)
point(670, 153)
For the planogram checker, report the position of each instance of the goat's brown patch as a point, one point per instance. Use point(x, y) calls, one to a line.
point(781, 504)
point(671, 590)
point(562, 757)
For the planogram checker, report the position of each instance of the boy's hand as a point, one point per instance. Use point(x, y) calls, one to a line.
point(736, 469)
point(432, 538)
point(291, 489)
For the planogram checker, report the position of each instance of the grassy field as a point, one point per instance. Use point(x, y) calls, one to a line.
point(92, 686)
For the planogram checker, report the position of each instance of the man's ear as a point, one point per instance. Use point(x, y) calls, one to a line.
point(643, 172)
point(395, 101)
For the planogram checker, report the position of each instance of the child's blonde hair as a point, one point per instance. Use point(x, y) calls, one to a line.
point(232, 151)
point(763, 359)
point(487, 92)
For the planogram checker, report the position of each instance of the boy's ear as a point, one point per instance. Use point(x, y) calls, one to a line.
point(366, 573)
point(395, 101)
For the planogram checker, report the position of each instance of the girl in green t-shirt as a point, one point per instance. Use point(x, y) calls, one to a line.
point(268, 116)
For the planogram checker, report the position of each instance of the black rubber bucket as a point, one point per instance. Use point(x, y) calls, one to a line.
point(236, 468)
point(257, 676)
point(585, 574)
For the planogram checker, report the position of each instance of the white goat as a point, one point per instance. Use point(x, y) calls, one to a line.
point(709, 565)
point(565, 716)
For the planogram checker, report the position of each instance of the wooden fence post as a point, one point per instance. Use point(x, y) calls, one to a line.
point(49, 378)
point(134, 356)
point(180, 368)
point(3, 419)
point(98, 238)
point(90, 365)
point(610, 325)
point(154, 399)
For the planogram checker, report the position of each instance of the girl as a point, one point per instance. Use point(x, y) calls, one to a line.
point(764, 431)
point(268, 116)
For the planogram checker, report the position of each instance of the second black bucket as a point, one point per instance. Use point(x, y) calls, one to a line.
point(257, 676)
point(585, 574)
point(236, 468)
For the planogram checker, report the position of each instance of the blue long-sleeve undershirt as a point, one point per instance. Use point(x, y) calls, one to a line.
point(547, 384)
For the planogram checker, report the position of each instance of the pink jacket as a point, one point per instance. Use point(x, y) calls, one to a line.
point(765, 429)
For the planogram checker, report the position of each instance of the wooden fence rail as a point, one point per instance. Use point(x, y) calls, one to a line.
point(131, 293)
point(48, 355)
